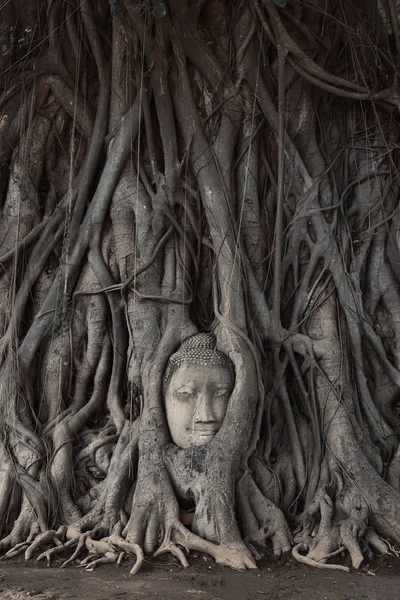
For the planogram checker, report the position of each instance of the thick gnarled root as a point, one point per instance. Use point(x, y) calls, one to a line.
point(21, 537)
point(236, 556)
point(118, 546)
point(116, 541)
point(326, 535)
point(155, 526)
point(261, 520)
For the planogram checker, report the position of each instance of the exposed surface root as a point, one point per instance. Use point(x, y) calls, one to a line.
point(237, 556)
point(261, 520)
point(169, 547)
point(314, 563)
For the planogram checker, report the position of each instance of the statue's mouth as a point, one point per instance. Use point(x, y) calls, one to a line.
point(204, 431)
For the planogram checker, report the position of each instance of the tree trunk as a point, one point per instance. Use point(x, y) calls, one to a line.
point(183, 167)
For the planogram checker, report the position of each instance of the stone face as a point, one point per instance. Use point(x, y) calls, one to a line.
point(196, 398)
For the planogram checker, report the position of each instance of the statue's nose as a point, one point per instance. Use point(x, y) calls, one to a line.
point(205, 410)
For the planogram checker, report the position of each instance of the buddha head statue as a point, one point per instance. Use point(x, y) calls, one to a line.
point(198, 382)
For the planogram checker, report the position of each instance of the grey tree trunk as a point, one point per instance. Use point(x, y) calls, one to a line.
point(169, 168)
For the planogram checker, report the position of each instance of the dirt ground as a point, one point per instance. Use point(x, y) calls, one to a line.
point(164, 580)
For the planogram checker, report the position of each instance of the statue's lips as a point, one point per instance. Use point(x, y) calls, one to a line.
point(204, 431)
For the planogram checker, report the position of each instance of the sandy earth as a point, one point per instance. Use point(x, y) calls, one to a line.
point(203, 580)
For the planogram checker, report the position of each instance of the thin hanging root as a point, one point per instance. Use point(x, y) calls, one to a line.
point(168, 546)
point(313, 563)
point(121, 558)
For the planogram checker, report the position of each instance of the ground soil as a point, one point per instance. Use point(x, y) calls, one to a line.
point(163, 579)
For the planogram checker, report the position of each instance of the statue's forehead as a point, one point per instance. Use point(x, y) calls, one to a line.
point(192, 372)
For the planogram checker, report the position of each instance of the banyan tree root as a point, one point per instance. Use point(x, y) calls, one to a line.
point(347, 518)
point(199, 167)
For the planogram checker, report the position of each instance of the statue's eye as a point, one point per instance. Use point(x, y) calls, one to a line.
point(222, 394)
point(186, 395)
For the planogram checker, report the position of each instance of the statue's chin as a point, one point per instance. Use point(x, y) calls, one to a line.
point(194, 442)
point(202, 439)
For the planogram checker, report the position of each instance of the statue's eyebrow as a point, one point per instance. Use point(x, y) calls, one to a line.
point(185, 386)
